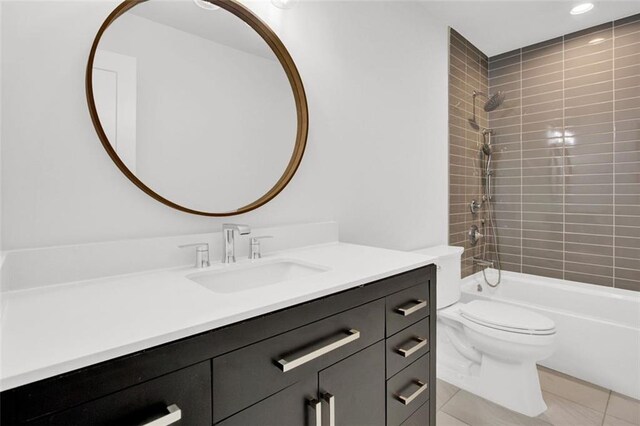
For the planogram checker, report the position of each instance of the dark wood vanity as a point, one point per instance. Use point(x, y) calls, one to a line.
point(364, 356)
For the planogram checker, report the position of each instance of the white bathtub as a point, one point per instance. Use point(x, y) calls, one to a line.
point(598, 328)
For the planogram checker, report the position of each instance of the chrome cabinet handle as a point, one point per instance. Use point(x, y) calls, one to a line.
point(289, 364)
point(316, 412)
point(330, 400)
point(173, 416)
point(416, 306)
point(406, 400)
point(421, 343)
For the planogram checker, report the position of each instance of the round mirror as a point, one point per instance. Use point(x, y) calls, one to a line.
point(198, 103)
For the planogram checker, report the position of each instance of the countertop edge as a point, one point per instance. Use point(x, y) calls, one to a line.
point(13, 382)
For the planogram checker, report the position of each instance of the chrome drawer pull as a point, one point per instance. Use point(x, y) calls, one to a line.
point(316, 412)
point(422, 342)
point(174, 415)
point(289, 364)
point(406, 400)
point(417, 305)
point(330, 400)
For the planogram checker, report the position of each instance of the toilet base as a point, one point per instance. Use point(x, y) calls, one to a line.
point(513, 386)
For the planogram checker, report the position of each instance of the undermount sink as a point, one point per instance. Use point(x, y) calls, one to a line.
point(244, 277)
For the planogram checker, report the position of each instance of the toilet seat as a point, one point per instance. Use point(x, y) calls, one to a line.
point(508, 318)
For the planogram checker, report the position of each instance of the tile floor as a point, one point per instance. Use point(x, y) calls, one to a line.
point(571, 402)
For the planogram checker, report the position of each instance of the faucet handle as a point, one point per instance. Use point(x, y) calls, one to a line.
point(261, 237)
point(200, 246)
point(255, 246)
point(202, 253)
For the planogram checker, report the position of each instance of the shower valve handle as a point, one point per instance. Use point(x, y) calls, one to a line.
point(475, 206)
point(474, 235)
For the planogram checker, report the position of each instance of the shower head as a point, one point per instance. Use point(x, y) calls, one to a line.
point(494, 101)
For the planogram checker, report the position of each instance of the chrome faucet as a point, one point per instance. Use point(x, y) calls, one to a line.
point(482, 262)
point(229, 229)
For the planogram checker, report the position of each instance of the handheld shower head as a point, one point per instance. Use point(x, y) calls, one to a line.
point(486, 149)
point(486, 142)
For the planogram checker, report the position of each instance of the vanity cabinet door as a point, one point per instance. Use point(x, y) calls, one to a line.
point(290, 407)
point(352, 391)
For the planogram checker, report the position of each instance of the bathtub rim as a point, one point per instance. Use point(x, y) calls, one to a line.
point(586, 288)
point(618, 295)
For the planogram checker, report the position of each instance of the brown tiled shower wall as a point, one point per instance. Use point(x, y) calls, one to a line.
point(567, 155)
point(468, 71)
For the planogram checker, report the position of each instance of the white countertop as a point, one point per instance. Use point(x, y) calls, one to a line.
point(55, 329)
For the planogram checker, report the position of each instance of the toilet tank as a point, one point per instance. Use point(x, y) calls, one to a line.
point(449, 273)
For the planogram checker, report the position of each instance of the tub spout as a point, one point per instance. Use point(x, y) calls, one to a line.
point(482, 262)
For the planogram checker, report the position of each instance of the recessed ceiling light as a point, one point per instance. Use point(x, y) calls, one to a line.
point(581, 8)
point(206, 5)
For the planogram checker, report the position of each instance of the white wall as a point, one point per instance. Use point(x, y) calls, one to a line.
point(1, 258)
point(376, 80)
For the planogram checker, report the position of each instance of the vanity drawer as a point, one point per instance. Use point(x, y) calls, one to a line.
point(407, 307)
point(248, 375)
point(419, 418)
point(187, 390)
point(407, 346)
point(407, 391)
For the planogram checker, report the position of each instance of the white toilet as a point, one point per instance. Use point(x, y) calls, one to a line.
point(488, 348)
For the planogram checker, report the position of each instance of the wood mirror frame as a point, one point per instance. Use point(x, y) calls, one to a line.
point(285, 60)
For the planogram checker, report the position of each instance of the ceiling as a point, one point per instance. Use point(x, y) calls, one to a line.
point(218, 25)
point(493, 26)
point(496, 27)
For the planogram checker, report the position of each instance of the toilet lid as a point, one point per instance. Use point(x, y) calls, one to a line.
point(507, 317)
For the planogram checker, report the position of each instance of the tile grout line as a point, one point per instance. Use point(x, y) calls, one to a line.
point(521, 164)
point(613, 66)
point(461, 421)
point(606, 408)
point(450, 398)
point(575, 381)
point(466, 138)
point(449, 414)
point(564, 158)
